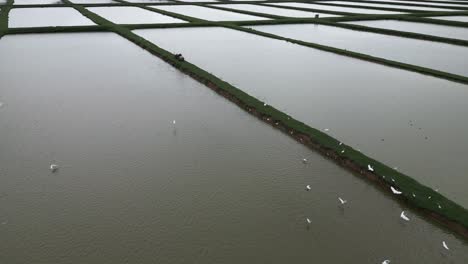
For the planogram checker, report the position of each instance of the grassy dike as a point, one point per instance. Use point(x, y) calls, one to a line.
point(4, 17)
point(450, 214)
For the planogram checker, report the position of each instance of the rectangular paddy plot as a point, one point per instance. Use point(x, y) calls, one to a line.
point(37, 2)
point(435, 55)
point(132, 15)
point(93, 1)
point(218, 181)
point(337, 8)
point(422, 3)
point(452, 18)
point(275, 10)
point(423, 28)
point(149, 1)
point(46, 17)
point(392, 6)
point(208, 13)
point(360, 102)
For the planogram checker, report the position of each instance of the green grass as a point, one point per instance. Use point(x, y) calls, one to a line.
point(4, 17)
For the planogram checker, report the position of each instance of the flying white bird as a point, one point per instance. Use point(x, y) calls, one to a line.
point(342, 201)
point(370, 168)
point(445, 245)
point(395, 191)
point(308, 188)
point(53, 167)
point(386, 261)
point(308, 221)
point(403, 216)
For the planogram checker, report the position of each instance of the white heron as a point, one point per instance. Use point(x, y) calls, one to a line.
point(173, 122)
point(304, 160)
point(387, 261)
point(395, 191)
point(264, 104)
point(414, 195)
point(342, 151)
point(370, 168)
point(53, 167)
point(308, 188)
point(342, 201)
point(326, 129)
point(308, 221)
point(438, 205)
point(445, 245)
point(341, 143)
point(403, 216)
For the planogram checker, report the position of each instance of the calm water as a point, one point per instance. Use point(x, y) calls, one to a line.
point(218, 187)
point(392, 6)
point(209, 13)
point(424, 28)
point(460, 4)
point(453, 18)
point(46, 17)
point(37, 2)
point(132, 15)
point(337, 8)
point(276, 11)
point(360, 102)
point(93, 1)
point(435, 55)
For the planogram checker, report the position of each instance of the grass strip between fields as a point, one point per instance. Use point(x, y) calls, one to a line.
point(4, 12)
point(414, 193)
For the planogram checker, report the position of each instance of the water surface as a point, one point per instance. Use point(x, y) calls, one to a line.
point(218, 187)
point(435, 55)
point(276, 11)
point(337, 8)
point(132, 15)
point(361, 103)
point(37, 2)
point(93, 1)
point(423, 28)
point(461, 4)
point(392, 6)
point(208, 13)
point(46, 17)
point(452, 18)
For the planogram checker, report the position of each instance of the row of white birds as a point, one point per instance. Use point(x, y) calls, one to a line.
point(394, 191)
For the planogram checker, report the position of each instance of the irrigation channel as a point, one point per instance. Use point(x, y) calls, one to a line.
point(344, 130)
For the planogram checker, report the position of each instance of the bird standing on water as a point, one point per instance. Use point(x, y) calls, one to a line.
point(308, 188)
point(53, 167)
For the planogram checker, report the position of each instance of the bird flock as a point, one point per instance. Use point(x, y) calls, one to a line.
point(394, 190)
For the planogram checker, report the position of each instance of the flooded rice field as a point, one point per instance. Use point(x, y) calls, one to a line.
point(276, 11)
point(440, 56)
point(208, 13)
point(112, 152)
point(132, 15)
point(336, 8)
point(391, 6)
point(47, 17)
point(216, 186)
point(422, 28)
point(452, 18)
point(408, 123)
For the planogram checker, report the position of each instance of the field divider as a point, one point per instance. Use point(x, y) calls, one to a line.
point(374, 8)
point(4, 17)
point(439, 208)
point(405, 4)
point(310, 9)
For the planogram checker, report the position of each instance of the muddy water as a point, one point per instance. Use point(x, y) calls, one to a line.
point(435, 55)
point(209, 13)
point(276, 11)
point(216, 187)
point(337, 8)
point(46, 17)
point(424, 28)
point(361, 103)
point(132, 15)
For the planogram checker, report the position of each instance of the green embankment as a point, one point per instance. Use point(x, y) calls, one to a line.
point(4, 11)
point(416, 194)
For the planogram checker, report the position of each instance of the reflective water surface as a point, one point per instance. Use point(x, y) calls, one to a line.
point(46, 17)
point(217, 187)
point(435, 55)
point(453, 18)
point(132, 15)
point(423, 28)
point(407, 120)
point(392, 6)
point(276, 11)
point(208, 13)
point(337, 8)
